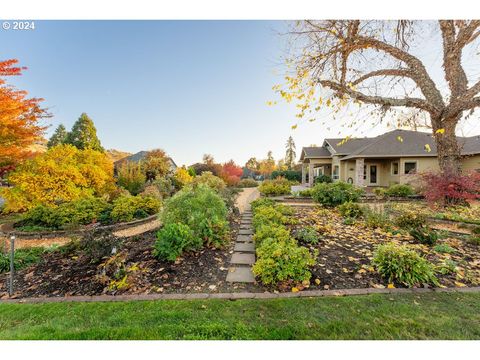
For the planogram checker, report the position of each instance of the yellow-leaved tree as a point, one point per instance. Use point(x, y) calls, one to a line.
point(182, 176)
point(63, 173)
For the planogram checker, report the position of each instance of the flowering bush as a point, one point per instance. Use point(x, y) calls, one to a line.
point(447, 189)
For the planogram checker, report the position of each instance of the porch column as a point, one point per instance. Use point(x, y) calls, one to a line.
point(310, 174)
point(359, 164)
point(304, 174)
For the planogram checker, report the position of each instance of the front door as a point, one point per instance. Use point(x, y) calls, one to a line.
point(373, 175)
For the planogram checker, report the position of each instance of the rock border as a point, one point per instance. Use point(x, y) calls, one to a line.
point(238, 296)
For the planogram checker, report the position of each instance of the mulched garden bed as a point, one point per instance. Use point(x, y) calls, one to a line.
point(345, 253)
point(89, 268)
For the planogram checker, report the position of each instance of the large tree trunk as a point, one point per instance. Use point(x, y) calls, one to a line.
point(448, 149)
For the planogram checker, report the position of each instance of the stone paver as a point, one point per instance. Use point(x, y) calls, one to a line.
point(244, 247)
point(240, 274)
point(244, 238)
point(242, 259)
point(245, 232)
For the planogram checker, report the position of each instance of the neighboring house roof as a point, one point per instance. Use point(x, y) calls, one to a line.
point(139, 156)
point(315, 152)
point(396, 143)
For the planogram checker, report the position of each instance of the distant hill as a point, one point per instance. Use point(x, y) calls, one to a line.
point(116, 155)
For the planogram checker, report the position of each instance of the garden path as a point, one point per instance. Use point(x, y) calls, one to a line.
point(243, 256)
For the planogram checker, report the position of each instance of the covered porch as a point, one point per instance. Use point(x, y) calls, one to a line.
point(311, 168)
point(371, 172)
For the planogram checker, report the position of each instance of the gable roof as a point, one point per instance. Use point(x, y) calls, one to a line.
point(395, 143)
point(315, 152)
point(346, 146)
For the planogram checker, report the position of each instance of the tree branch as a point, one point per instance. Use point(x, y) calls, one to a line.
point(377, 100)
point(383, 72)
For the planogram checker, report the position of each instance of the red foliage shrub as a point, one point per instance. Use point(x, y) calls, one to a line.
point(231, 173)
point(445, 188)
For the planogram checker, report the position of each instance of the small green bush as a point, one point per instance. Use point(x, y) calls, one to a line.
point(376, 219)
point(446, 267)
point(444, 249)
point(247, 183)
point(203, 210)
point(66, 215)
point(212, 181)
point(337, 193)
point(400, 190)
point(173, 240)
point(279, 186)
point(281, 261)
point(350, 210)
point(307, 235)
point(262, 202)
point(348, 221)
point(269, 231)
point(323, 179)
point(23, 258)
point(476, 230)
point(306, 192)
point(267, 215)
point(380, 192)
point(290, 175)
point(410, 219)
point(474, 240)
point(127, 208)
point(424, 235)
point(403, 265)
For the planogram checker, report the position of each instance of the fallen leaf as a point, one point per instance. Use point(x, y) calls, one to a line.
point(391, 286)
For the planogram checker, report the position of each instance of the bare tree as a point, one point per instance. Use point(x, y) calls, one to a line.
point(372, 62)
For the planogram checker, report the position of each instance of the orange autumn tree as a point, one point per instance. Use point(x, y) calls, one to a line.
point(19, 119)
point(231, 173)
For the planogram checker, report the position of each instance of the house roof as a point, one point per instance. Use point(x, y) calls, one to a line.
point(137, 157)
point(396, 143)
point(346, 146)
point(315, 152)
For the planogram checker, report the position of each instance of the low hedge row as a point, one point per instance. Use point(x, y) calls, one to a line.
point(279, 257)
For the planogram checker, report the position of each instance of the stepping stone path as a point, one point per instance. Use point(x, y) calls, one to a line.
point(243, 257)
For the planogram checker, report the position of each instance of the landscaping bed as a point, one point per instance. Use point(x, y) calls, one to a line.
point(346, 251)
point(77, 269)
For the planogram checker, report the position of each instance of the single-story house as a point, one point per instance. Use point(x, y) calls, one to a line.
point(383, 160)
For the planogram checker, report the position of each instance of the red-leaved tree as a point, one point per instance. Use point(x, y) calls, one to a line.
point(231, 173)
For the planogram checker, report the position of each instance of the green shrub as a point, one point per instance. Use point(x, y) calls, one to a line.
point(476, 230)
point(306, 192)
point(128, 208)
point(474, 240)
point(212, 181)
point(131, 176)
point(266, 215)
point(247, 183)
point(409, 219)
point(281, 261)
point(290, 175)
point(446, 267)
point(350, 210)
point(444, 249)
point(323, 179)
point(262, 202)
point(279, 186)
point(403, 265)
point(173, 240)
point(348, 221)
point(333, 194)
point(380, 192)
point(307, 235)
point(269, 231)
point(376, 219)
point(80, 212)
point(399, 190)
point(23, 258)
point(203, 210)
point(424, 235)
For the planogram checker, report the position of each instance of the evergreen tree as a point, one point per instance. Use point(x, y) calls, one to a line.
point(290, 154)
point(84, 134)
point(59, 137)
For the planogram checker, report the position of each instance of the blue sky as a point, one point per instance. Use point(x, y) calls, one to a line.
point(189, 87)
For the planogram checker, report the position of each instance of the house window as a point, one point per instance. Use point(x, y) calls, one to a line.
point(410, 167)
point(364, 172)
point(395, 168)
point(336, 170)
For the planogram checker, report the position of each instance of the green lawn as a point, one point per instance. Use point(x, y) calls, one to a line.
point(402, 316)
